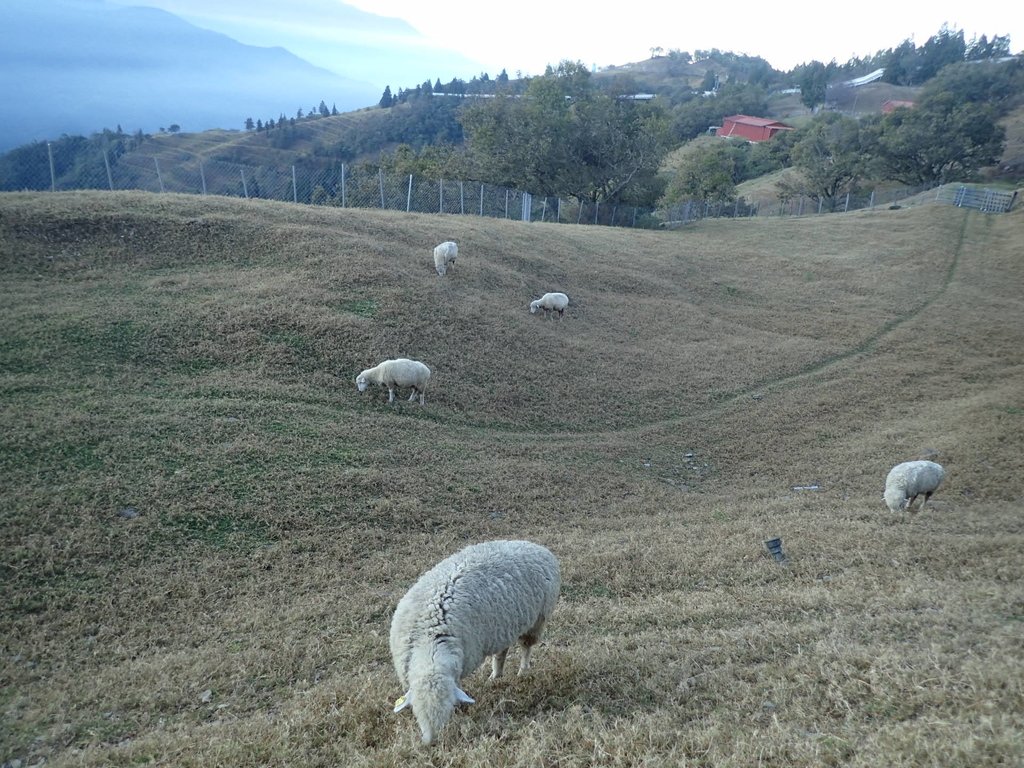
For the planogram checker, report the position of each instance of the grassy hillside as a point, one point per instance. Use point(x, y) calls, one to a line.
point(206, 527)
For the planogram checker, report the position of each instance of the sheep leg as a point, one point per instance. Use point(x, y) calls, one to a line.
point(911, 502)
point(391, 395)
point(926, 497)
point(413, 395)
point(498, 663)
point(528, 640)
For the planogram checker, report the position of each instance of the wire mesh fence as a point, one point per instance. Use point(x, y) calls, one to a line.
point(318, 182)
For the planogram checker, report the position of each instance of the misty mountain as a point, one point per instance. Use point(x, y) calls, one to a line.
point(78, 66)
point(346, 40)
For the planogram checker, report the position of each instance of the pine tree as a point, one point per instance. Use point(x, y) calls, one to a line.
point(387, 99)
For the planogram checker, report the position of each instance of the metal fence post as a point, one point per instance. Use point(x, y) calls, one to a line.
point(506, 203)
point(202, 175)
point(380, 179)
point(462, 198)
point(295, 187)
point(440, 196)
point(342, 185)
point(106, 163)
point(245, 187)
point(53, 173)
point(159, 178)
point(408, 196)
point(481, 198)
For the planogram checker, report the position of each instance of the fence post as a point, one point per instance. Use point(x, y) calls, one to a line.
point(544, 209)
point(527, 206)
point(245, 187)
point(846, 207)
point(53, 173)
point(202, 175)
point(380, 179)
point(110, 179)
point(506, 202)
point(343, 185)
point(408, 196)
point(871, 204)
point(462, 198)
point(295, 187)
point(440, 196)
point(481, 198)
point(159, 178)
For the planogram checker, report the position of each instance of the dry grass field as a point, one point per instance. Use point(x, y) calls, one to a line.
point(205, 527)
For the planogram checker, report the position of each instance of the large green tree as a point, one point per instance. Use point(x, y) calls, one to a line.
point(939, 140)
point(704, 170)
point(829, 158)
point(814, 83)
point(564, 137)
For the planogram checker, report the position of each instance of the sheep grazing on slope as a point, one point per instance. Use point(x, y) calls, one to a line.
point(549, 302)
point(473, 604)
point(906, 481)
point(444, 254)
point(394, 374)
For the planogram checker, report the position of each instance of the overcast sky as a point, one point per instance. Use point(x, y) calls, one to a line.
point(525, 36)
point(530, 34)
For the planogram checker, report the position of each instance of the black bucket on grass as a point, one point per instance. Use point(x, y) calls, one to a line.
point(774, 547)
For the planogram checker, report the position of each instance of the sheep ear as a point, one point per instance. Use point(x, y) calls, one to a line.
point(462, 697)
point(403, 701)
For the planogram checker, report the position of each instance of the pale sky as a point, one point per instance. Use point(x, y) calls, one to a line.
point(524, 36)
point(529, 34)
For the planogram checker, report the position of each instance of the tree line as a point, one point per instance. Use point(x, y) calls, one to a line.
point(569, 133)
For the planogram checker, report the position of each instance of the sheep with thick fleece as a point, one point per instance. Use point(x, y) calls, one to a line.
point(550, 302)
point(473, 604)
point(444, 254)
point(906, 481)
point(393, 374)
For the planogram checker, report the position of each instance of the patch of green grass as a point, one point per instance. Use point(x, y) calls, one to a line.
point(361, 307)
point(224, 532)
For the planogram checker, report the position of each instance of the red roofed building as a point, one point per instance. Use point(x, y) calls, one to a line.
point(751, 128)
point(890, 104)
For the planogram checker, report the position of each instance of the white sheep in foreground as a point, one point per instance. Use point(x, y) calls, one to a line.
point(906, 481)
point(550, 302)
point(473, 604)
point(444, 254)
point(393, 374)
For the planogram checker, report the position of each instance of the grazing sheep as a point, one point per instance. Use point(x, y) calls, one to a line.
point(473, 604)
point(445, 254)
point(394, 374)
point(550, 301)
point(906, 481)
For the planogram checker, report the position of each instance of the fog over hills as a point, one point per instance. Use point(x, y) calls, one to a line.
point(79, 66)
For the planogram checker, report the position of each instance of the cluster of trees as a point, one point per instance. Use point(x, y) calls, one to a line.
point(948, 135)
point(570, 133)
point(564, 136)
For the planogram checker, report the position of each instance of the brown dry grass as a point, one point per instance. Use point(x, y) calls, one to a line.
point(192, 359)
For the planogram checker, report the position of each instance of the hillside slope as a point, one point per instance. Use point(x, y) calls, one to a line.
point(207, 526)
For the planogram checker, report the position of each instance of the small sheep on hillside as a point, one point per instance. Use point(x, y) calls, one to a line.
point(444, 254)
point(393, 374)
point(549, 302)
point(473, 604)
point(906, 481)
